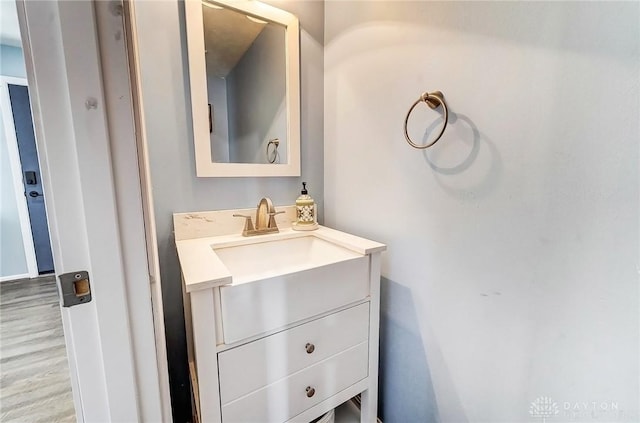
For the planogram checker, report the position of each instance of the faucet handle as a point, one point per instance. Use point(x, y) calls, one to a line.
point(248, 224)
point(272, 220)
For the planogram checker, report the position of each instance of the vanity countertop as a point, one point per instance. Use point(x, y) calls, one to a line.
point(203, 269)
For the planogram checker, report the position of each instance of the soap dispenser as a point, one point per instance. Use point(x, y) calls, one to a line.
point(305, 212)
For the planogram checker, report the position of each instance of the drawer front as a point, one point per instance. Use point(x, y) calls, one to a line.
point(254, 308)
point(289, 397)
point(257, 364)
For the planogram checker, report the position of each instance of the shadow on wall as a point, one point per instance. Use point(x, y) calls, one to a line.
point(175, 332)
point(403, 361)
point(457, 151)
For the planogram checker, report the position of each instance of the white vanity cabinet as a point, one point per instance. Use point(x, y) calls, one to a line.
point(284, 341)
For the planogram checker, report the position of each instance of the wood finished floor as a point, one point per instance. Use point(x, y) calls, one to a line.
point(34, 373)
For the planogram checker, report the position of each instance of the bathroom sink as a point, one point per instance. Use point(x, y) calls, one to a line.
point(269, 282)
point(276, 282)
point(261, 260)
point(233, 260)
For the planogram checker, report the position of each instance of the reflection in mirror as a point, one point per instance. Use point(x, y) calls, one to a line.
point(244, 74)
point(246, 83)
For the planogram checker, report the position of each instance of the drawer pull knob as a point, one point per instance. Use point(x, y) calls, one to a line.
point(310, 391)
point(310, 348)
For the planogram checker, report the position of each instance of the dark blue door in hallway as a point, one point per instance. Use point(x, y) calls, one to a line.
point(31, 179)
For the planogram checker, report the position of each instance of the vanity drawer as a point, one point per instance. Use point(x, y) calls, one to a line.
point(289, 397)
point(257, 364)
point(254, 308)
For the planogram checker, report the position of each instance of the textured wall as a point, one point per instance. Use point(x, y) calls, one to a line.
point(165, 88)
point(512, 268)
point(12, 258)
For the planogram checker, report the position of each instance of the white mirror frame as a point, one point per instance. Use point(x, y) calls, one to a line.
point(205, 166)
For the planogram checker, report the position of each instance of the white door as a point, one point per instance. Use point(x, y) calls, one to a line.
point(86, 146)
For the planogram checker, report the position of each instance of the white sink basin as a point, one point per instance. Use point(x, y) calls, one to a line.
point(232, 260)
point(261, 260)
point(276, 282)
point(267, 282)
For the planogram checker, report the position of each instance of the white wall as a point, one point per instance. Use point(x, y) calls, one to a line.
point(12, 259)
point(165, 88)
point(512, 268)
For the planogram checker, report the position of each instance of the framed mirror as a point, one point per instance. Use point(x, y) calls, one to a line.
point(244, 70)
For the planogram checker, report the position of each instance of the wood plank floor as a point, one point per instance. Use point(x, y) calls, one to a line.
point(34, 373)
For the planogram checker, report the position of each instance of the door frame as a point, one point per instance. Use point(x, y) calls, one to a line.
point(16, 174)
point(144, 173)
point(91, 181)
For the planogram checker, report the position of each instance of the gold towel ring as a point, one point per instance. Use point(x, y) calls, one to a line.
point(276, 144)
point(433, 100)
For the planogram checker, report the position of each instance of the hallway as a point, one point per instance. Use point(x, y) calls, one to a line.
point(34, 384)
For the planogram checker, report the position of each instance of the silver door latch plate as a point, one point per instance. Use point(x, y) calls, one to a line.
point(75, 288)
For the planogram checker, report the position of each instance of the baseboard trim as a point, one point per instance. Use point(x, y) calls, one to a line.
point(14, 277)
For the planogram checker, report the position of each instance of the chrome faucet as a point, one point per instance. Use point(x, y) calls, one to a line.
point(265, 219)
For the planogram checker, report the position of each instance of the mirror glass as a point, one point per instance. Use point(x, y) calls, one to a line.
point(244, 73)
